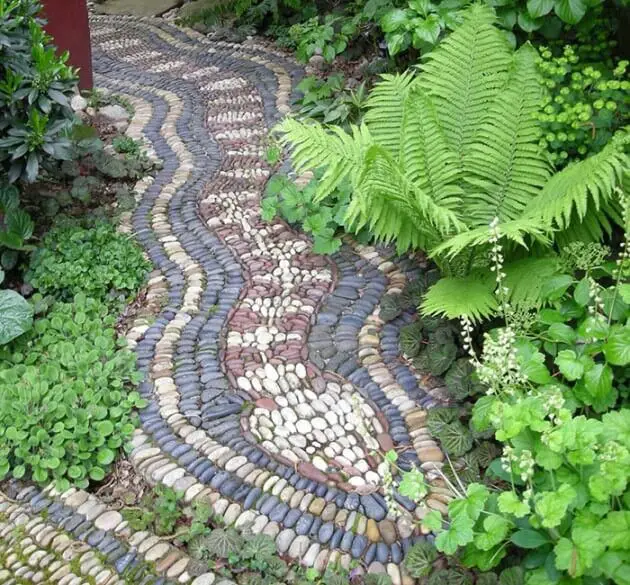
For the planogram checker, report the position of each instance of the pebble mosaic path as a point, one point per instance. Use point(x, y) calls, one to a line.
point(272, 382)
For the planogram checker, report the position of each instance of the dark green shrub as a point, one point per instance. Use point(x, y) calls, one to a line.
point(97, 261)
point(35, 86)
point(65, 408)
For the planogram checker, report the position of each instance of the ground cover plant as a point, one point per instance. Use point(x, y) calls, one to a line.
point(65, 404)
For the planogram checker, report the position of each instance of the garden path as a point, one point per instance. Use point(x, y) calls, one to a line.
point(272, 381)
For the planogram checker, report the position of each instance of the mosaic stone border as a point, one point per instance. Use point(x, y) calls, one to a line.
point(265, 361)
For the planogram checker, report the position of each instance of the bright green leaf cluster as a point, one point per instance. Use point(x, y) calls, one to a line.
point(97, 261)
point(585, 102)
point(298, 206)
point(65, 402)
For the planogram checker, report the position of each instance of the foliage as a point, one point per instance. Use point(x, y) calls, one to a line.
point(35, 87)
point(159, 511)
point(557, 395)
point(126, 145)
point(65, 404)
point(97, 261)
point(448, 151)
point(328, 101)
point(16, 227)
point(312, 37)
point(420, 25)
point(420, 558)
point(297, 205)
point(584, 105)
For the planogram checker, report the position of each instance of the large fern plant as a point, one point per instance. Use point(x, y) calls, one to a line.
point(443, 152)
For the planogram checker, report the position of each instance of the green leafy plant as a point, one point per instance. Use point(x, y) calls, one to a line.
point(328, 38)
point(35, 87)
point(97, 261)
point(585, 104)
point(556, 398)
point(127, 145)
point(420, 25)
point(420, 558)
point(16, 228)
point(442, 155)
point(159, 511)
point(298, 206)
point(330, 102)
point(66, 404)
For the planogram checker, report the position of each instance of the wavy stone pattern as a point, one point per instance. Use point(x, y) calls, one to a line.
point(273, 385)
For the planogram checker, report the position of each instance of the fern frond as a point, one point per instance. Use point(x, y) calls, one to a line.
point(472, 296)
point(314, 146)
point(589, 182)
point(525, 279)
point(505, 168)
point(425, 155)
point(386, 107)
point(463, 75)
point(516, 231)
point(393, 206)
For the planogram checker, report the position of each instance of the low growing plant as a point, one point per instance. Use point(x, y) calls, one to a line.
point(66, 399)
point(159, 511)
point(556, 399)
point(420, 24)
point(16, 228)
point(324, 222)
point(329, 101)
point(97, 261)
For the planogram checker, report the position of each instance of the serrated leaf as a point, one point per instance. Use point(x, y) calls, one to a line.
point(617, 347)
point(569, 365)
point(510, 503)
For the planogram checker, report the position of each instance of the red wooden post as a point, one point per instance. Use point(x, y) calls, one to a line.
point(68, 25)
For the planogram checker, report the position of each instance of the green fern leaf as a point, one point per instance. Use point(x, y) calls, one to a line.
point(472, 296)
point(385, 113)
point(526, 278)
point(518, 231)
point(505, 168)
point(463, 75)
point(589, 182)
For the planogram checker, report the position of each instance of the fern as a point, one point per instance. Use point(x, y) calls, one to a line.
point(463, 75)
point(444, 151)
point(453, 297)
point(505, 168)
point(583, 186)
